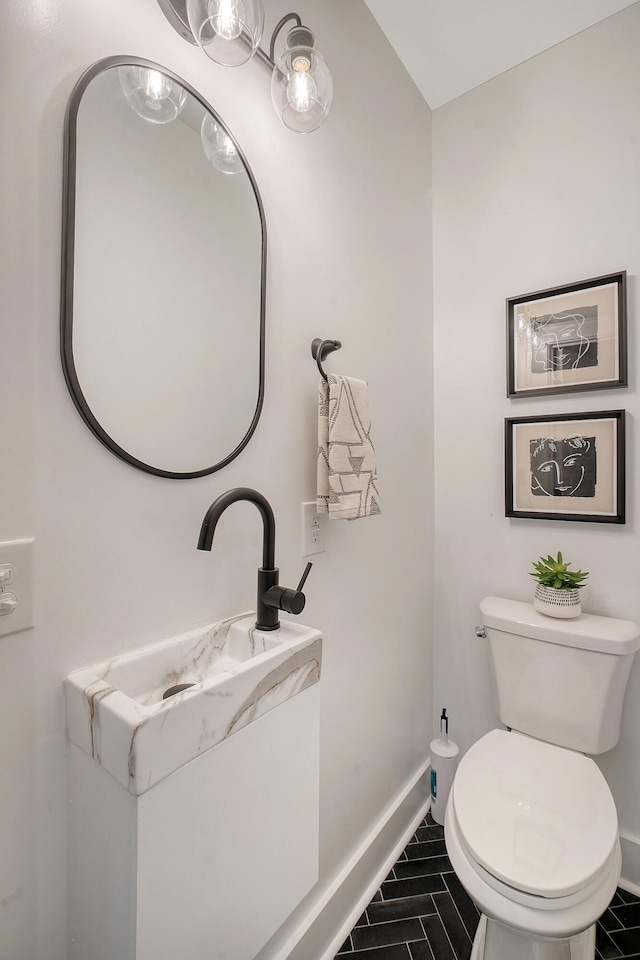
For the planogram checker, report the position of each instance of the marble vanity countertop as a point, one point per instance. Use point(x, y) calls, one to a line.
point(115, 710)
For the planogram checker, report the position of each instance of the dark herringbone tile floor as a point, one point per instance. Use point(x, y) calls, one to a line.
point(422, 912)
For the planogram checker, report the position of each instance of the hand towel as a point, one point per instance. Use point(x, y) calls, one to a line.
point(347, 479)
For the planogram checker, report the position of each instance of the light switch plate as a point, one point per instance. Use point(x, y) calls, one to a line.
point(19, 553)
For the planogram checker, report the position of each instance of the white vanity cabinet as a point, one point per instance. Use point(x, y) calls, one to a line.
point(203, 836)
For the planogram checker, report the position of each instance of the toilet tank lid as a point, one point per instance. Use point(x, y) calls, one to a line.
point(589, 632)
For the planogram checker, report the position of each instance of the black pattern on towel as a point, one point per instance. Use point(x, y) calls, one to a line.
point(347, 478)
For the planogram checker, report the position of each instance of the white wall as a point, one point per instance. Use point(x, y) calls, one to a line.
point(349, 257)
point(535, 180)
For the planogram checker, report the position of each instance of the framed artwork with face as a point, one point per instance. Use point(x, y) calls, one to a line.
point(567, 339)
point(567, 467)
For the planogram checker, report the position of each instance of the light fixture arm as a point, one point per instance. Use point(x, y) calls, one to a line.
point(278, 28)
point(264, 58)
point(269, 59)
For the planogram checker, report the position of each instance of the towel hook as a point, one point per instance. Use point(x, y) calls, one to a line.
point(320, 350)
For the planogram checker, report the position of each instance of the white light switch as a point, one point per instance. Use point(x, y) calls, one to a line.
point(16, 586)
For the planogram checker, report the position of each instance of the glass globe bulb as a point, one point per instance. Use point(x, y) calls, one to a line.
point(301, 86)
point(219, 148)
point(152, 94)
point(302, 91)
point(228, 31)
point(228, 19)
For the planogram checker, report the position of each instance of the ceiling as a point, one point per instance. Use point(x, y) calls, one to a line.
point(451, 46)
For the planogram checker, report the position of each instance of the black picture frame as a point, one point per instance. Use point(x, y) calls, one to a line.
point(566, 467)
point(568, 339)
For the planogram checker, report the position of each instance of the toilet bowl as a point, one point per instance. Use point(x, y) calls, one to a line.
point(532, 833)
point(531, 826)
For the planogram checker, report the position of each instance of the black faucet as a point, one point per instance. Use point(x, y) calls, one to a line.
point(271, 597)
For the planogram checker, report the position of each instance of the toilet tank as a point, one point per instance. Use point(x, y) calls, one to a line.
point(562, 681)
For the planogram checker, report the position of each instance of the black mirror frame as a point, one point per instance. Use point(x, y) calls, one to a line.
point(68, 258)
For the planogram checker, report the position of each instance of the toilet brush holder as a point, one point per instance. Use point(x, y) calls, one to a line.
point(444, 760)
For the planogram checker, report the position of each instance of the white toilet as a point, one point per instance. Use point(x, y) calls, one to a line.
point(531, 827)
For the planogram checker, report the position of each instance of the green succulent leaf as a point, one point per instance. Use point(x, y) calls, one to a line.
point(555, 573)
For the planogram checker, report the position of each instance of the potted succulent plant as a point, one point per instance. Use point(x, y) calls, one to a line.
point(557, 592)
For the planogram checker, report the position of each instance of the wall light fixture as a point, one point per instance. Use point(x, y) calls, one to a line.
point(229, 32)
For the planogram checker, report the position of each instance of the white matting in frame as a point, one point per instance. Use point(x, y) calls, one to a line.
point(568, 467)
point(568, 338)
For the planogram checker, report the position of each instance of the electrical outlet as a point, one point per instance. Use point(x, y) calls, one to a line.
point(16, 586)
point(312, 530)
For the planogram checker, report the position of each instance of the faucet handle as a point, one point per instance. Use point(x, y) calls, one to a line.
point(303, 578)
point(284, 598)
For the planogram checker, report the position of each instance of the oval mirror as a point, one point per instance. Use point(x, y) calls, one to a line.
point(164, 272)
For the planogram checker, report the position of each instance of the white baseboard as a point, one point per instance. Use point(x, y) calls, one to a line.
point(376, 880)
point(630, 878)
point(328, 918)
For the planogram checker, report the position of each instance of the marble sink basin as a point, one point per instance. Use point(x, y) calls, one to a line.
point(117, 714)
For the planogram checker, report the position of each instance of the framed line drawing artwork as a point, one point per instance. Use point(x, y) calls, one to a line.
point(568, 339)
point(566, 467)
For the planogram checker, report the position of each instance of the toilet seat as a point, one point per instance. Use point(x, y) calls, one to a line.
point(537, 821)
point(530, 900)
point(539, 917)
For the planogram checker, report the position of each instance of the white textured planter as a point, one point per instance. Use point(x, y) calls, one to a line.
point(563, 604)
